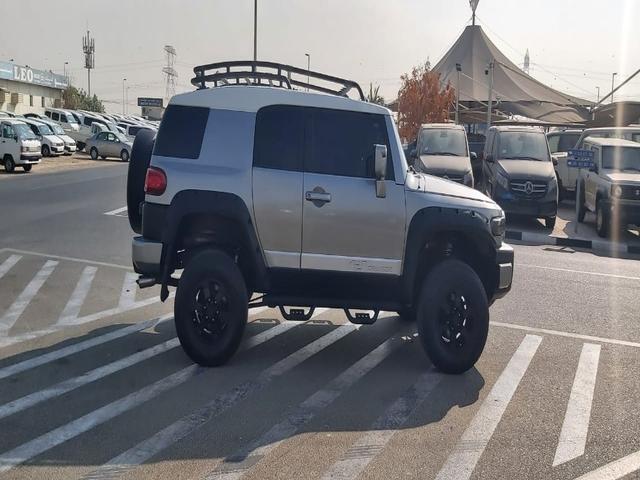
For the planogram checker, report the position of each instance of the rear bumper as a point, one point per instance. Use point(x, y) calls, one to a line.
point(145, 255)
point(504, 271)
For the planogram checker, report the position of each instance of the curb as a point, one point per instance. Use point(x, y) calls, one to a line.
point(603, 246)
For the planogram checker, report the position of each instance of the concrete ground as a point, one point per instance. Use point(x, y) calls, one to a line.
point(94, 385)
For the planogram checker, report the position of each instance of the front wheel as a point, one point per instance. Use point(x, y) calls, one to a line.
point(602, 220)
point(453, 316)
point(9, 164)
point(27, 168)
point(45, 151)
point(211, 308)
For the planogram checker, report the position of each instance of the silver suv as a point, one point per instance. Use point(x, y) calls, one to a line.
point(270, 196)
point(611, 188)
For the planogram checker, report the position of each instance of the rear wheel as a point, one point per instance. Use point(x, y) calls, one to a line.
point(602, 219)
point(211, 308)
point(124, 155)
point(94, 153)
point(9, 164)
point(27, 168)
point(453, 316)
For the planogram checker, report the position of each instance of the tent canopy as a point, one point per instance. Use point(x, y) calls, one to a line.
point(514, 92)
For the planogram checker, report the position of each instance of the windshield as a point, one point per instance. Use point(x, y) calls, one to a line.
point(446, 141)
point(44, 129)
point(57, 129)
point(23, 131)
point(71, 118)
point(523, 146)
point(621, 158)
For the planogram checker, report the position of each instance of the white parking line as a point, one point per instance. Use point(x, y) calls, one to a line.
point(70, 259)
point(31, 290)
point(66, 386)
point(79, 347)
point(79, 295)
point(573, 435)
point(465, 456)
point(8, 263)
point(128, 293)
point(116, 211)
point(616, 469)
point(237, 464)
point(49, 440)
point(360, 454)
point(190, 423)
point(582, 272)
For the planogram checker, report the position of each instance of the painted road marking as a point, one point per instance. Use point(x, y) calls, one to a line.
point(79, 295)
point(47, 441)
point(31, 290)
point(360, 454)
point(190, 423)
point(70, 259)
point(128, 293)
point(118, 211)
point(88, 377)
point(559, 333)
point(236, 465)
point(573, 436)
point(79, 347)
point(615, 470)
point(467, 452)
point(569, 270)
point(8, 263)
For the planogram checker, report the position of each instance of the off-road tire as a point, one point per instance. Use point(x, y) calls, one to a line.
point(9, 164)
point(210, 324)
point(603, 220)
point(453, 277)
point(138, 163)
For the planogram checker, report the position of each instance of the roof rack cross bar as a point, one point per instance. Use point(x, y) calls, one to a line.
point(282, 75)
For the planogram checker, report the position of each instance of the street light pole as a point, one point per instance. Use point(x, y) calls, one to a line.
point(126, 109)
point(458, 70)
point(65, 71)
point(123, 82)
point(598, 89)
point(613, 78)
point(489, 71)
point(255, 30)
point(308, 69)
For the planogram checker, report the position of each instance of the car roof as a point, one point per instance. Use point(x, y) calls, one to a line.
point(561, 132)
point(452, 126)
point(246, 98)
point(612, 129)
point(517, 128)
point(612, 142)
point(14, 120)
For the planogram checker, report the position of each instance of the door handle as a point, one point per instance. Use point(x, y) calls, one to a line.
point(317, 197)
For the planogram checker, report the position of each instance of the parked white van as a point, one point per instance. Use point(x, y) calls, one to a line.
point(65, 119)
point(51, 145)
point(69, 143)
point(18, 145)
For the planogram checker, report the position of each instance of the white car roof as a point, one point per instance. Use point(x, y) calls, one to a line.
point(612, 142)
point(245, 98)
point(13, 121)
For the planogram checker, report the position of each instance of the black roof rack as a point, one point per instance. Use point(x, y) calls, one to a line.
point(269, 74)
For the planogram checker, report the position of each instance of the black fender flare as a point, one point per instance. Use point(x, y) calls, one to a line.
point(223, 204)
point(430, 222)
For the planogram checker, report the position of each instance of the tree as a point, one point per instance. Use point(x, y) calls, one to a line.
point(75, 99)
point(422, 100)
point(374, 96)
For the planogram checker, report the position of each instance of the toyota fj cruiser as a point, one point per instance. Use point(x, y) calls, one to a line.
point(270, 196)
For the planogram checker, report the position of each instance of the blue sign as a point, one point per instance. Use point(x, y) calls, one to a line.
point(19, 73)
point(580, 158)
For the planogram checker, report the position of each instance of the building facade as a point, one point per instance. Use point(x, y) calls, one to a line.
point(24, 89)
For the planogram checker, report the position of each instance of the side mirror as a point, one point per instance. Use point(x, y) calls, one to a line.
point(15, 138)
point(474, 156)
point(380, 164)
point(554, 160)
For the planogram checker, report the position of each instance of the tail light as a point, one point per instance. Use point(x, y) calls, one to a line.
point(155, 183)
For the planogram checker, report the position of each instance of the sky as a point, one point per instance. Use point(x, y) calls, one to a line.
point(574, 45)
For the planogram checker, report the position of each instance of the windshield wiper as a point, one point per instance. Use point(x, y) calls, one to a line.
point(523, 158)
point(441, 153)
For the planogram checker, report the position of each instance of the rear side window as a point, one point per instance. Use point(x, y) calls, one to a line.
point(554, 141)
point(55, 116)
point(181, 132)
point(279, 138)
point(342, 143)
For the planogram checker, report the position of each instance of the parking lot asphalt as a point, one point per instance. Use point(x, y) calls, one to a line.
point(94, 385)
